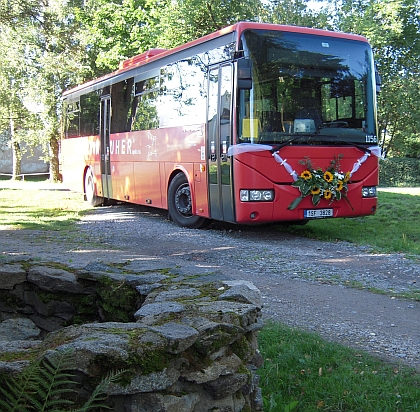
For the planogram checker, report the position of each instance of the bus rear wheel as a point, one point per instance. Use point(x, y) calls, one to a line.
point(180, 204)
point(90, 193)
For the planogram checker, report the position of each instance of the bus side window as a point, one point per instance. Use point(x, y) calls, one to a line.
point(145, 112)
point(144, 106)
point(183, 93)
point(89, 114)
point(72, 119)
point(121, 95)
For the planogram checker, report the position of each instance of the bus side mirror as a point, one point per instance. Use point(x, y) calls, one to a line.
point(244, 74)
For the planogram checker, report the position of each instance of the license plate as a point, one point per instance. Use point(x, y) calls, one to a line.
point(317, 213)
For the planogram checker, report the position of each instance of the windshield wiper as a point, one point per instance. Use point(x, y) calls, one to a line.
point(295, 137)
point(319, 139)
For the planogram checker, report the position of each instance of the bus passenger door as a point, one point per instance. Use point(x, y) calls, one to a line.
point(218, 141)
point(105, 126)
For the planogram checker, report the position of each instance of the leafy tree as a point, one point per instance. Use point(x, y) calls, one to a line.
point(112, 31)
point(16, 120)
point(297, 13)
point(43, 58)
point(185, 20)
point(393, 30)
point(13, 11)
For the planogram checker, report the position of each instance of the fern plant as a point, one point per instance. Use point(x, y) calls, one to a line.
point(41, 387)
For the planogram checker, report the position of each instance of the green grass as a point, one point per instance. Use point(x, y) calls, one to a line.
point(49, 209)
point(303, 372)
point(394, 228)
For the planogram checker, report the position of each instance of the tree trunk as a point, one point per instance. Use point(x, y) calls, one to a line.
point(54, 162)
point(16, 152)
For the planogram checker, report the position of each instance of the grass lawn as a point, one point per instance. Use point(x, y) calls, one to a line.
point(303, 372)
point(40, 206)
point(395, 227)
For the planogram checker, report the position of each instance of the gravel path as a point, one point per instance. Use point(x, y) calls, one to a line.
point(304, 283)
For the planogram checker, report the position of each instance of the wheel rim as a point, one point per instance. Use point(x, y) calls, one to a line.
point(183, 200)
point(89, 186)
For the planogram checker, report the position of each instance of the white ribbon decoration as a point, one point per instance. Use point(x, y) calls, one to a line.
point(286, 165)
point(247, 147)
point(252, 147)
point(375, 150)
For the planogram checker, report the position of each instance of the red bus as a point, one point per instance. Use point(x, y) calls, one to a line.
point(252, 124)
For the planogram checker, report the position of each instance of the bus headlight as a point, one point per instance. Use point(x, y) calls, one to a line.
point(256, 195)
point(369, 191)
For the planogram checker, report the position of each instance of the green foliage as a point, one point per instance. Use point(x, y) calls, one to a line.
point(330, 184)
point(296, 13)
point(303, 372)
point(399, 172)
point(113, 31)
point(15, 11)
point(394, 228)
point(54, 210)
point(393, 30)
point(45, 384)
point(117, 300)
point(185, 20)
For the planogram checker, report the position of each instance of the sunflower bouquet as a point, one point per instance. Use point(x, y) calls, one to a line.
point(329, 184)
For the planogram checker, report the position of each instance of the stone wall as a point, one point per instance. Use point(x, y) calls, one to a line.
point(31, 162)
point(186, 343)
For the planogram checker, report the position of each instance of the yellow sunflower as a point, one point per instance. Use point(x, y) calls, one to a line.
point(328, 176)
point(339, 186)
point(307, 175)
point(315, 190)
point(327, 194)
point(347, 177)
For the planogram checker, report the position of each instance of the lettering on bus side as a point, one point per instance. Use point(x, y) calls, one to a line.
point(94, 147)
point(120, 146)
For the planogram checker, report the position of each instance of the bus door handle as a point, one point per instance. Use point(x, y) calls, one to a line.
point(213, 156)
point(224, 150)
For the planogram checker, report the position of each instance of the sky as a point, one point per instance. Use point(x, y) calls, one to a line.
point(313, 4)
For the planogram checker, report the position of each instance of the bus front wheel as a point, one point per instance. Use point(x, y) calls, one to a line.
point(90, 193)
point(180, 204)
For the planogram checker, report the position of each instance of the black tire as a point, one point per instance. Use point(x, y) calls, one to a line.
point(90, 192)
point(180, 205)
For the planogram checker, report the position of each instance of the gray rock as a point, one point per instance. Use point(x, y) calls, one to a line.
point(151, 312)
point(18, 329)
point(147, 288)
point(132, 279)
point(92, 352)
point(156, 402)
point(240, 314)
point(242, 291)
point(54, 280)
point(225, 366)
point(155, 381)
point(13, 368)
point(226, 385)
point(47, 323)
point(54, 308)
point(180, 337)
point(11, 275)
point(183, 293)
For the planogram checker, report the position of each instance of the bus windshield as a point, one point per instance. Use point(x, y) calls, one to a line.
point(307, 88)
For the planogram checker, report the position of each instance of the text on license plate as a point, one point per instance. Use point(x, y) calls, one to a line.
point(317, 213)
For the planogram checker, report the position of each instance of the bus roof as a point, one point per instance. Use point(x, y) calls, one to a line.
point(238, 28)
